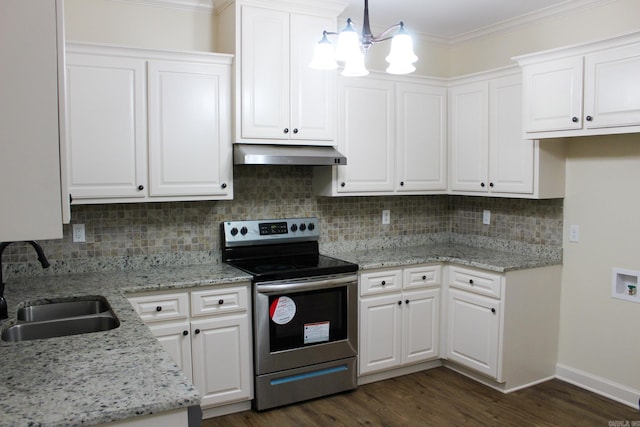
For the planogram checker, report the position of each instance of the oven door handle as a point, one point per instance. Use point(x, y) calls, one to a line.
point(289, 286)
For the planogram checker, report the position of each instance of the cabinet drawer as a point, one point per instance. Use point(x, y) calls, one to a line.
point(219, 301)
point(379, 282)
point(477, 281)
point(156, 308)
point(422, 277)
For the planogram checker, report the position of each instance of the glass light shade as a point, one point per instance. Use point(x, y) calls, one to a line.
point(348, 43)
point(399, 68)
point(401, 49)
point(323, 56)
point(354, 66)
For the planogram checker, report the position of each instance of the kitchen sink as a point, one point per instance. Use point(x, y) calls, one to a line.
point(57, 319)
point(62, 310)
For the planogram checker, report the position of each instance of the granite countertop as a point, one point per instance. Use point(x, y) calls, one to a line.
point(98, 377)
point(113, 375)
point(488, 259)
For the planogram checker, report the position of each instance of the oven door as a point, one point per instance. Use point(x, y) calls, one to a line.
point(301, 322)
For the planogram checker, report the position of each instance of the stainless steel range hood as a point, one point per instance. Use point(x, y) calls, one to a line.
point(258, 154)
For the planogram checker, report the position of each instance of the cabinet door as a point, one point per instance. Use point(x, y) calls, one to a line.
point(189, 129)
point(174, 337)
point(420, 325)
point(366, 135)
point(264, 86)
point(221, 348)
point(612, 87)
point(380, 333)
point(313, 92)
point(106, 126)
point(29, 164)
point(553, 95)
point(510, 156)
point(473, 331)
point(422, 138)
point(469, 117)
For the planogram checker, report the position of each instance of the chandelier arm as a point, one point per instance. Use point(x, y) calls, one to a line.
point(385, 35)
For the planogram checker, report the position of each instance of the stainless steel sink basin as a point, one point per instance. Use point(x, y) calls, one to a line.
point(62, 310)
point(57, 319)
point(60, 327)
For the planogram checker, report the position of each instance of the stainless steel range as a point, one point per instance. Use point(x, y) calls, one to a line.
point(304, 309)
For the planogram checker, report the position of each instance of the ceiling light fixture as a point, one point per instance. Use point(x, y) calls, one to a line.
point(352, 47)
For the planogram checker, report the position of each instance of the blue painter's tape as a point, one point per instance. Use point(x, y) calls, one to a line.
point(306, 375)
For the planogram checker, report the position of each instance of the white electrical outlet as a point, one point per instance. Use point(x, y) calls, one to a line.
point(486, 217)
point(386, 216)
point(574, 233)
point(78, 233)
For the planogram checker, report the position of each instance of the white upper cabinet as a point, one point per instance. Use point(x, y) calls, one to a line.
point(511, 158)
point(422, 137)
point(554, 95)
point(189, 133)
point(279, 98)
point(30, 62)
point(612, 88)
point(469, 144)
point(366, 135)
point(106, 126)
point(590, 89)
point(488, 153)
point(394, 135)
point(147, 125)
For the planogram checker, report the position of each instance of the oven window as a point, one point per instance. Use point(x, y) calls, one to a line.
point(307, 318)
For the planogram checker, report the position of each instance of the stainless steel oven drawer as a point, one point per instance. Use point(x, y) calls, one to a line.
point(309, 382)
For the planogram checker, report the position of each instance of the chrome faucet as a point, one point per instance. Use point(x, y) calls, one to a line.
point(43, 261)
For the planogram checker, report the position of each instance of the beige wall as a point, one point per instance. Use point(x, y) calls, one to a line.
point(130, 24)
point(607, 18)
point(598, 333)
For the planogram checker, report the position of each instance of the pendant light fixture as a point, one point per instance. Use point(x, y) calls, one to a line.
point(352, 47)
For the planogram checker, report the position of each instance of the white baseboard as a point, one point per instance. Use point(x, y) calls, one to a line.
point(599, 385)
point(405, 370)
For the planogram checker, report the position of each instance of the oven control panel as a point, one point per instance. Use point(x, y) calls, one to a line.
point(260, 232)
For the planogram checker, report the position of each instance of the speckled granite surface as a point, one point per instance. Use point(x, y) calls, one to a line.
point(488, 259)
point(96, 378)
point(99, 377)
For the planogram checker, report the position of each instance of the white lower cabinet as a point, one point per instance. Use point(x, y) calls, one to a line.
point(502, 328)
point(399, 317)
point(473, 333)
point(207, 333)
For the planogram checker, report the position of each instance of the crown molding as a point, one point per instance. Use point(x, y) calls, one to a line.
point(568, 7)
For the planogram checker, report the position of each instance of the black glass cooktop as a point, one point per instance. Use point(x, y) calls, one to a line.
point(293, 266)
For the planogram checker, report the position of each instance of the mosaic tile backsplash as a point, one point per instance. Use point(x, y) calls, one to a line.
point(142, 235)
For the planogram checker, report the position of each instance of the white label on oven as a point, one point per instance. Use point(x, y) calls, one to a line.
point(282, 310)
point(316, 332)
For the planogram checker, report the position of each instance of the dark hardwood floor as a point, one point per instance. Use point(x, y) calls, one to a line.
point(441, 397)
